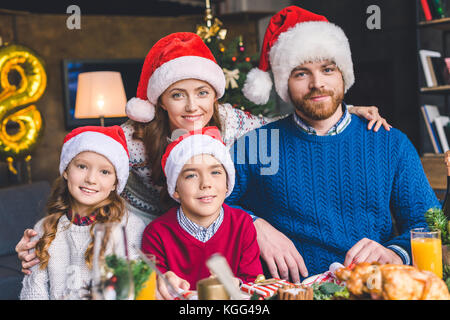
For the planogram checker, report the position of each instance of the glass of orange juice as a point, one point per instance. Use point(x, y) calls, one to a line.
point(426, 250)
point(148, 291)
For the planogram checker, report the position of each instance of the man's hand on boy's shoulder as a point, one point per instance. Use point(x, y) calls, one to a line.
point(279, 252)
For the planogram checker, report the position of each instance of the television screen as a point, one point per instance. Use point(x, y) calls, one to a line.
point(130, 70)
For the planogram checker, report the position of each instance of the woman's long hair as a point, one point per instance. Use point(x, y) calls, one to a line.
point(155, 136)
point(59, 203)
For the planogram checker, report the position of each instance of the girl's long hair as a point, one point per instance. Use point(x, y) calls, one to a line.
point(59, 203)
point(155, 136)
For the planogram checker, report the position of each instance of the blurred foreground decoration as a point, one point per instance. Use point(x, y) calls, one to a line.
point(23, 80)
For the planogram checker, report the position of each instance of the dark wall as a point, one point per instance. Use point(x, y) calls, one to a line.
point(148, 8)
point(385, 60)
point(100, 37)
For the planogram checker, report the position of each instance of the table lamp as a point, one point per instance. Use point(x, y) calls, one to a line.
point(100, 94)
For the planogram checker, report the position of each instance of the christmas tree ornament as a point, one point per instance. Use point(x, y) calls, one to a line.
point(230, 77)
point(215, 30)
point(231, 58)
point(241, 44)
point(211, 29)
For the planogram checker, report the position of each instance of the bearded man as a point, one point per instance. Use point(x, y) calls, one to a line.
point(341, 193)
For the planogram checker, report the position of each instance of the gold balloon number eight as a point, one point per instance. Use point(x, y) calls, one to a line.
point(22, 81)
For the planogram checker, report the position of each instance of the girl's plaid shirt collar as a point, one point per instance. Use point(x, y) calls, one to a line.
point(81, 221)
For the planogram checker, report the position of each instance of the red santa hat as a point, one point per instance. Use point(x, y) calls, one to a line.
point(176, 57)
point(295, 36)
point(110, 142)
point(205, 141)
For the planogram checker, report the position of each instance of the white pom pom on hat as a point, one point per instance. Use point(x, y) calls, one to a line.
point(140, 110)
point(257, 86)
point(178, 56)
point(295, 36)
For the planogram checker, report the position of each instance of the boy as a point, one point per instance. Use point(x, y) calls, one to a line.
point(200, 175)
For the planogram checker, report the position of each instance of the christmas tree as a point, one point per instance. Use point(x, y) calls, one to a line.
point(236, 64)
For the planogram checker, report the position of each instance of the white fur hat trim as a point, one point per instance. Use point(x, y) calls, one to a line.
point(192, 146)
point(101, 144)
point(186, 67)
point(310, 42)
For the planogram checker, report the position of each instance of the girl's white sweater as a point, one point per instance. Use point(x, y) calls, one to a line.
point(67, 272)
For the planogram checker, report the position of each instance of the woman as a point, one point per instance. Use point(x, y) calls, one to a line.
point(179, 88)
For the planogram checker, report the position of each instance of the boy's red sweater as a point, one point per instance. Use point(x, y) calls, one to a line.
point(176, 250)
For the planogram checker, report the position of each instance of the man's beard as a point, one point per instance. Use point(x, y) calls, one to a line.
point(318, 110)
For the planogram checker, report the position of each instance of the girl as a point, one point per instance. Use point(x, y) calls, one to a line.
point(200, 175)
point(94, 171)
point(179, 87)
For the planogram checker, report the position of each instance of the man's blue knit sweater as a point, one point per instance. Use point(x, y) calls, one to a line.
point(329, 192)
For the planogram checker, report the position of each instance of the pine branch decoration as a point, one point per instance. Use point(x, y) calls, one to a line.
point(139, 269)
point(437, 220)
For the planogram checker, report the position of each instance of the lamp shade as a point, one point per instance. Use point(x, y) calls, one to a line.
point(100, 94)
